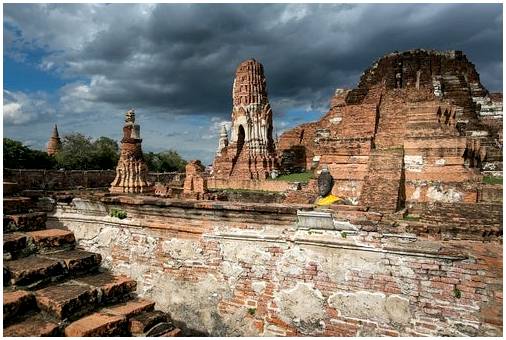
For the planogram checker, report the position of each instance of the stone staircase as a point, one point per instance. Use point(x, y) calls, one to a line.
point(382, 183)
point(52, 288)
point(392, 123)
point(456, 89)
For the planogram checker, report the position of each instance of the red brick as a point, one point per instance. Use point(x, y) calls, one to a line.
point(34, 326)
point(97, 324)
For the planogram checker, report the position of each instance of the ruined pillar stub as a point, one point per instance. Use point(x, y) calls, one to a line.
point(132, 171)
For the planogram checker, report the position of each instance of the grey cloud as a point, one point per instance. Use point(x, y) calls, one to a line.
point(170, 60)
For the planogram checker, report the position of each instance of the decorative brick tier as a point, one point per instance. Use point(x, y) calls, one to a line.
point(251, 153)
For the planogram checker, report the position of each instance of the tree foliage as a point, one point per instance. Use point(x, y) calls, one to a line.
point(79, 152)
point(106, 153)
point(165, 161)
point(76, 153)
point(19, 156)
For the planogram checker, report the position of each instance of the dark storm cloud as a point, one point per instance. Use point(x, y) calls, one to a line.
point(181, 58)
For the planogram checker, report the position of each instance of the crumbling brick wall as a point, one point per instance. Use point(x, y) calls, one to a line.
point(247, 269)
point(38, 179)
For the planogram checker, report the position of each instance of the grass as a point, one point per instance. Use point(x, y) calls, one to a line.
point(239, 191)
point(411, 218)
point(302, 177)
point(492, 180)
point(252, 311)
point(118, 213)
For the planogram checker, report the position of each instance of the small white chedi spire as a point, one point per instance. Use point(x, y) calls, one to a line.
point(223, 141)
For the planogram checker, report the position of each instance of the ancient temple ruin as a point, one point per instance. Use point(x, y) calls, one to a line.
point(251, 153)
point(54, 144)
point(223, 140)
point(415, 249)
point(131, 172)
point(419, 127)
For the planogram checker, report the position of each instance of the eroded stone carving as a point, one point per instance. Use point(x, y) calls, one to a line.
point(325, 182)
point(132, 171)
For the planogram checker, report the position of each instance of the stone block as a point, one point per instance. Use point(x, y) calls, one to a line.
point(131, 307)
point(34, 326)
point(112, 287)
point(10, 188)
point(143, 322)
point(14, 243)
point(17, 303)
point(68, 299)
point(315, 220)
point(33, 270)
point(16, 205)
point(77, 261)
point(25, 222)
point(98, 324)
point(52, 238)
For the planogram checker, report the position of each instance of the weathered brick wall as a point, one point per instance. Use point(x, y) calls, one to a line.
point(39, 179)
point(264, 185)
point(246, 269)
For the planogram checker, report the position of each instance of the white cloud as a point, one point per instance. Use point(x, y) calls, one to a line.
point(22, 108)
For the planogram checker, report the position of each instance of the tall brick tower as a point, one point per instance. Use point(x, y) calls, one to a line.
point(251, 153)
point(54, 143)
point(131, 172)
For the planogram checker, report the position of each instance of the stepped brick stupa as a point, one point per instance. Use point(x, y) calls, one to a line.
point(54, 143)
point(132, 171)
point(420, 127)
point(251, 152)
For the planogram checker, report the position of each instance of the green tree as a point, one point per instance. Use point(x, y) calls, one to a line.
point(18, 156)
point(77, 153)
point(165, 161)
point(106, 153)
point(171, 161)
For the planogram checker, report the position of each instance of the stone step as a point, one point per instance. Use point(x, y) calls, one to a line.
point(76, 261)
point(16, 205)
point(67, 299)
point(35, 326)
point(106, 321)
point(10, 188)
point(142, 323)
point(14, 243)
point(35, 270)
point(49, 239)
point(113, 287)
point(17, 303)
point(159, 330)
point(74, 298)
point(24, 221)
point(130, 308)
point(18, 245)
point(98, 324)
